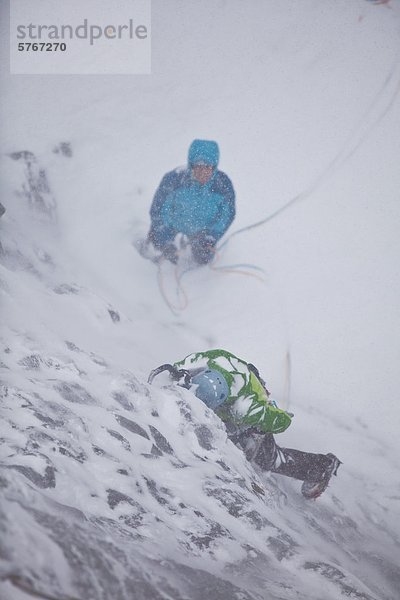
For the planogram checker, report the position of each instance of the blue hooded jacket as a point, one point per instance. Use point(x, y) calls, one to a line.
point(183, 205)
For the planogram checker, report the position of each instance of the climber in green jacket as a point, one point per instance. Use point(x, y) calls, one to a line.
point(235, 391)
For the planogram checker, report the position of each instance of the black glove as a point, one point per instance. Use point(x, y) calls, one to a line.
point(181, 376)
point(209, 240)
point(203, 248)
point(170, 252)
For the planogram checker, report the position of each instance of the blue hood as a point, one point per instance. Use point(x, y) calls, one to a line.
point(204, 151)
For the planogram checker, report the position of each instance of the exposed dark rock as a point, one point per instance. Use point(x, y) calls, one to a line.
point(66, 288)
point(185, 411)
point(98, 360)
point(158, 493)
point(233, 501)
point(155, 451)
point(99, 451)
point(63, 148)
point(257, 520)
point(114, 498)
point(120, 438)
point(161, 441)
point(23, 155)
point(48, 421)
point(123, 400)
point(223, 465)
point(132, 426)
point(35, 188)
point(204, 436)
point(32, 361)
point(283, 546)
point(215, 531)
point(73, 392)
point(114, 315)
point(78, 456)
point(48, 480)
point(72, 346)
point(257, 489)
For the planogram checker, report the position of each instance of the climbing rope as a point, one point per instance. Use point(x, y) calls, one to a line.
point(175, 308)
point(235, 268)
point(353, 141)
point(181, 295)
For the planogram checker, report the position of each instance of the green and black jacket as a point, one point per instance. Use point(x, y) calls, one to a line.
point(248, 401)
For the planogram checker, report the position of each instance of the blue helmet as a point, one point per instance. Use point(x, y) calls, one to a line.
point(203, 152)
point(212, 388)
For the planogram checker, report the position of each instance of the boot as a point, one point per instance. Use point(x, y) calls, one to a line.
point(313, 489)
point(315, 470)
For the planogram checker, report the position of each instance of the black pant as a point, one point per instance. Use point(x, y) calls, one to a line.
point(262, 449)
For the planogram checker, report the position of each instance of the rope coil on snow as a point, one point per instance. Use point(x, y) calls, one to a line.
point(180, 290)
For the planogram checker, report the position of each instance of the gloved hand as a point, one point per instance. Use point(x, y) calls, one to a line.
point(180, 376)
point(209, 240)
point(170, 252)
point(203, 248)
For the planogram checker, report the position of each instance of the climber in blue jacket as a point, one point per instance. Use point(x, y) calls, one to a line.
point(197, 201)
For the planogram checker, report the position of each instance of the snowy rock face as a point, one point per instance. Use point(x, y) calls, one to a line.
point(112, 488)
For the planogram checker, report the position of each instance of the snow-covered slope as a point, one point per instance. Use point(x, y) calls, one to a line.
point(112, 488)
